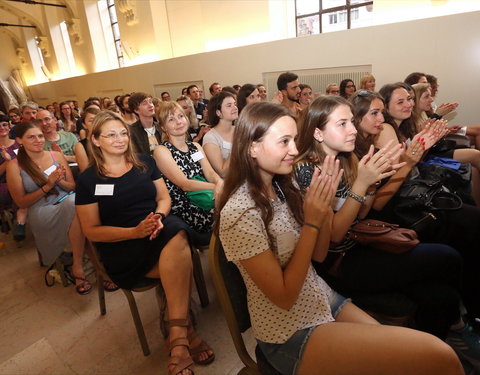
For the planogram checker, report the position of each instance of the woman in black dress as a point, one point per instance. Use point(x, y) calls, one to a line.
point(123, 206)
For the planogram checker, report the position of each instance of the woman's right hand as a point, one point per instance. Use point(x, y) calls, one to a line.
point(146, 226)
point(322, 189)
point(375, 167)
point(57, 175)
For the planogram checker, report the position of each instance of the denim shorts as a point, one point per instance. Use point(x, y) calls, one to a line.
point(286, 357)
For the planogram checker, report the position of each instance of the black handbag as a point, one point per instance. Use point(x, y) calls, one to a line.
point(421, 204)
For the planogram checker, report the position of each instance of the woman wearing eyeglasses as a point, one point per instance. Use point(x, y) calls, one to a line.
point(123, 205)
point(42, 182)
point(347, 88)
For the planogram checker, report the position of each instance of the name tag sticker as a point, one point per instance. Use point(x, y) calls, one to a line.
point(197, 156)
point(338, 204)
point(199, 117)
point(227, 145)
point(49, 170)
point(104, 189)
point(285, 242)
point(16, 151)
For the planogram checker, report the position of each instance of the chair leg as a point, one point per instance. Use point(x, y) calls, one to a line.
point(137, 321)
point(199, 279)
point(101, 294)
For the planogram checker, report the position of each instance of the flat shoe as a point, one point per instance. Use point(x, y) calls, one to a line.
point(197, 350)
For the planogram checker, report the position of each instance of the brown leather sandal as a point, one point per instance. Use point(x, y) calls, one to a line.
point(176, 364)
point(197, 350)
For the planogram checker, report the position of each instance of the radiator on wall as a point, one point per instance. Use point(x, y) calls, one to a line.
point(319, 78)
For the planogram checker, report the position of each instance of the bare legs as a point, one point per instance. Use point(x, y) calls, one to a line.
point(77, 242)
point(174, 270)
point(356, 344)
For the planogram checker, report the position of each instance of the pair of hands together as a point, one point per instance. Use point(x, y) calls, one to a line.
point(150, 226)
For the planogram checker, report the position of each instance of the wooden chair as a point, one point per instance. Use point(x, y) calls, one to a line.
point(143, 286)
point(232, 296)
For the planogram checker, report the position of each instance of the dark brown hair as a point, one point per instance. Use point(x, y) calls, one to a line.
point(309, 149)
point(251, 126)
point(215, 104)
point(361, 102)
point(24, 160)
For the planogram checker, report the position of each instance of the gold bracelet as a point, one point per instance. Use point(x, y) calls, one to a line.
point(313, 226)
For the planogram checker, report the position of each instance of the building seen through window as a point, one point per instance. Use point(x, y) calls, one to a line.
point(321, 16)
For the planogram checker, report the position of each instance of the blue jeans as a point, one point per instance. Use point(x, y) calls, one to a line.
point(286, 357)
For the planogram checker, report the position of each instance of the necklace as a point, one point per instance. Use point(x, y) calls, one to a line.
point(150, 131)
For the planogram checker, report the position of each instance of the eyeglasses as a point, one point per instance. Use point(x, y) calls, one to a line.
point(113, 136)
point(4, 125)
point(350, 86)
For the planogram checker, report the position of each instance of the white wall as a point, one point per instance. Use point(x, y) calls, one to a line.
point(447, 47)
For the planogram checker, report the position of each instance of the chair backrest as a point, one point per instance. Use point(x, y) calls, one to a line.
point(232, 296)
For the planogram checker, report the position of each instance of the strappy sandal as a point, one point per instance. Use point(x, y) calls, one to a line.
point(110, 286)
point(84, 287)
point(197, 350)
point(176, 364)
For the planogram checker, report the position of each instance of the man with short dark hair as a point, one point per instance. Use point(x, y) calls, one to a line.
point(165, 96)
point(194, 94)
point(145, 136)
point(215, 88)
point(288, 85)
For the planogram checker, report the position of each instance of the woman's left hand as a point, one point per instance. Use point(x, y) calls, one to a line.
point(218, 190)
point(5, 155)
point(158, 226)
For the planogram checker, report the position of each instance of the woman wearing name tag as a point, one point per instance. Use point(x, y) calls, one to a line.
point(271, 233)
point(41, 181)
point(123, 205)
point(186, 169)
point(222, 112)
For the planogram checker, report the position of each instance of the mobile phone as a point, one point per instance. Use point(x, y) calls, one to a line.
point(62, 198)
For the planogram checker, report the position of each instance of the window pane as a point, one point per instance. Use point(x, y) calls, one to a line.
point(361, 17)
point(334, 21)
point(308, 25)
point(307, 6)
point(326, 4)
point(353, 2)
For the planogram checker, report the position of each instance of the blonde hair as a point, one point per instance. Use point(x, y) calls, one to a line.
point(364, 80)
point(193, 116)
point(164, 110)
point(96, 154)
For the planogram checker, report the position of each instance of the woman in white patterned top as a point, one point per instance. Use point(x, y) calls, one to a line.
point(271, 233)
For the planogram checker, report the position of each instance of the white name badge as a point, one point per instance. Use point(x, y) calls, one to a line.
point(285, 242)
point(227, 145)
point(197, 156)
point(104, 189)
point(50, 170)
point(16, 151)
point(199, 117)
point(338, 204)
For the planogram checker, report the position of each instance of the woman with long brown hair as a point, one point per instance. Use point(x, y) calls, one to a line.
point(271, 232)
point(42, 182)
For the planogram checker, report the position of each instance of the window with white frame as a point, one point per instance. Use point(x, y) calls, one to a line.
point(321, 16)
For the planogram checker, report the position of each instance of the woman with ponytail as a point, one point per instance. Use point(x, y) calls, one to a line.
point(42, 182)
